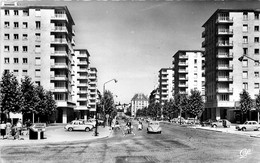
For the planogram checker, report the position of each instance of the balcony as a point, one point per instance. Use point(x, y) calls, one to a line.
point(224, 79)
point(83, 63)
point(183, 78)
point(183, 85)
point(82, 84)
point(59, 54)
point(82, 77)
point(82, 92)
point(92, 77)
point(183, 71)
point(60, 29)
point(59, 17)
point(83, 70)
point(224, 20)
point(59, 78)
point(225, 44)
point(225, 32)
point(224, 90)
point(184, 56)
point(225, 67)
point(59, 41)
point(82, 55)
point(82, 99)
point(183, 64)
point(59, 65)
point(164, 72)
point(60, 89)
point(225, 55)
point(203, 34)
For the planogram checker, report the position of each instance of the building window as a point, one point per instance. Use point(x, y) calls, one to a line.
point(16, 49)
point(223, 97)
point(245, 86)
point(7, 12)
point(7, 60)
point(37, 49)
point(256, 85)
point(256, 28)
point(16, 12)
point(25, 25)
point(7, 36)
point(37, 61)
point(256, 62)
point(38, 83)
point(245, 28)
point(257, 51)
point(245, 74)
point(245, 16)
point(37, 12)
point(7, 24)
point(256, 74)
point(16, 72)
point(7, 49)
point(16, 36)
point(245, 63)
point(37, 73)
point(256, 16)
point(25, 60)
point(16, 25)
point(25, 48)
point(24, 72)
point(6, 71)
point(38, 24)
point(16, 60)
point(25, 37)
point(256, 39)
point(245, 39)
point(25, 13)
point(245, 50)
point(38, 36)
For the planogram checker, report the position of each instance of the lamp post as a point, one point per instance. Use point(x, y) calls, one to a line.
point(104, 88)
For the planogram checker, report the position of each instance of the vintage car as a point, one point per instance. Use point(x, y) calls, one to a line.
point(78, 125)
point(221, 123)
point(154, 127)
point(248, 125)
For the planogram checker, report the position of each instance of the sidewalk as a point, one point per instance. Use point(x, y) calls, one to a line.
point(57, 134)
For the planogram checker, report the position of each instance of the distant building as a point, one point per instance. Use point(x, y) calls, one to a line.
point(189, 71)
point(139, 101)
point(93, 95)
point(230, 34)
point(165, 88)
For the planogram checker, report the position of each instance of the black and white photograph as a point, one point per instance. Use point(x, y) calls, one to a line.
point(129, 81)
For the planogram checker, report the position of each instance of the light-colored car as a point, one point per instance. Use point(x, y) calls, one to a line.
point(78, 125)
point(154, 126)
point(193, 121)
point(221, 123)
point(248, 125)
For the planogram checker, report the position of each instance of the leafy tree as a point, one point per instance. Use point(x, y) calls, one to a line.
point(181, 102)
point(108, 102)
point(113, 113)
point(196, 104)
point(257, 105)
point(30, 100)
point(246, 103)
point(10, 98)
point(50, 103)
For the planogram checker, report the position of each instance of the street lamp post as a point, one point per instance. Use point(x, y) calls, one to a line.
point(96, 133)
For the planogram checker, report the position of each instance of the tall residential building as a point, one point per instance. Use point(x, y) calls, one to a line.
point(230, 34)
point(154, 96)
point(139, 101)
point(165, 88)
point(38, 41)
point(80, 80)
point(189, 72)
point(93, 91)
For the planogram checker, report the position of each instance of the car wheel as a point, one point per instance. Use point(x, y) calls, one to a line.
point(243, 129)
point(214, 126)
point(87, 129)
point(160, 132)
point(70, 129)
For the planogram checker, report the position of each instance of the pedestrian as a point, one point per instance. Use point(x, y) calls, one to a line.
point(140, 125)
point(8, 128)
point(3, 129)
point(19, 126)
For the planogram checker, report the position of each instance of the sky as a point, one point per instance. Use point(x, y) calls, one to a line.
point(130, 41)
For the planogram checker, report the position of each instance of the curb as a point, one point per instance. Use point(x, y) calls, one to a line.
point(254, 136)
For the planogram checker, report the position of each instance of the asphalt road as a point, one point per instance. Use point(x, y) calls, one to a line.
point(175, 144)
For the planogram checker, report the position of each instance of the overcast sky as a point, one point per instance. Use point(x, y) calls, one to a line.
point(131, 41)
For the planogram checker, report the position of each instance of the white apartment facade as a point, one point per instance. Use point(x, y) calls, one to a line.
point(38, 41)
point(80, 78)
point(230, 34)
point(92, 91)
point(139, 101)
point(189, 72)
point(166, 84)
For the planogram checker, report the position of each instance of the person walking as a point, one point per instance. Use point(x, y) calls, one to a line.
point(8, 128)
point(19, 126)
point(3, 129)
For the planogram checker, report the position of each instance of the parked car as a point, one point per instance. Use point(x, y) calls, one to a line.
point(154, 126)
point(207, 122)
point(174, 120)
point(192, 121)
point(78, 125)
point(221, 123)
point(248, 125)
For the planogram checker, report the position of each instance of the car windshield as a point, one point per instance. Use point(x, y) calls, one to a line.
point(154, 123)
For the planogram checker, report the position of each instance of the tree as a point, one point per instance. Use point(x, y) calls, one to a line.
point(246, 103)
point(10, 97)
point(30, 99)
point(257, 105)
point(50, 104)
point(108, 102)
point(196, 104)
